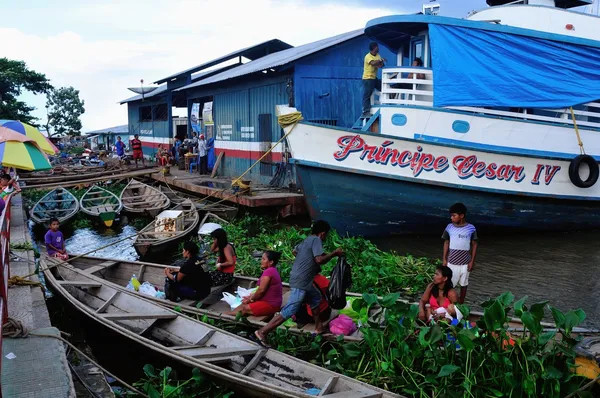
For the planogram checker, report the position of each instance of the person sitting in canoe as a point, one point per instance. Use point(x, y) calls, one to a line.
point(190, 281)
point(223, 275)
point(439, 294)
point(55, 242)
point(266, 300)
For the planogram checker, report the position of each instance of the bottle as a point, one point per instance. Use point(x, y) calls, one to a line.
point(136, 284)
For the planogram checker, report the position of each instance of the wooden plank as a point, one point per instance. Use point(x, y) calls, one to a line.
point(206, 337)
point(353, 394)
point(329, 385)
point(80, 283)
point(253, 362)
point(107, 303)
point(216, 166)
point(206, 353)
point(101, 266)
point(133, 316)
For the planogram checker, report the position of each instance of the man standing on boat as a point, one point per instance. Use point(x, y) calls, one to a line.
point(136, 145)
point(309, 258)
point(370, 82)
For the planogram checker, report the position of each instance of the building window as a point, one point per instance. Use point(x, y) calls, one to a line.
point(145, 113)
point(161, 112)
point(327, 122)
point(265, 134)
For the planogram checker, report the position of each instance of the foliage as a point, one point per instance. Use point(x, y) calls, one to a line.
point(64, 111)
point(15, 78)
point(76, 150)
point(21, 246)
point(165, 384)
point(373, 270)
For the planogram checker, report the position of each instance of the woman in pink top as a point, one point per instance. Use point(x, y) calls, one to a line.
point(438, 294)
point(266, 300)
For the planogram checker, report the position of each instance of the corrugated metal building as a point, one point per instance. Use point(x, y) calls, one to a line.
point(322, 79)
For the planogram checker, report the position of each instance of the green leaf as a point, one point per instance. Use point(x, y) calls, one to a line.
point(352, 350)
point(166, 372)
point(520, 306)
point(177, 308)
point(358, 304)
point(390, 299)
point(494, 316)
point(552, 373)
point(506, 299)
point(464, 310)
point(436, 334)
point(149, 370)
point(385, 365)
point(581, 314)
point(544, 338)
point(152, 391)
point(447, 370)
point(424, 331)
point(370, 299)
point(571, 320)
point(465, 342)
point(531, 323)
point(413, 312)
point(496, 393)
point(168, 390)
point(559, 317)
point(197, 375)
point(537, 310)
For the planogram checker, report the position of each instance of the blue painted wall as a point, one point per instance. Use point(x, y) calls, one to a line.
point(159, 128)
point(327, 85)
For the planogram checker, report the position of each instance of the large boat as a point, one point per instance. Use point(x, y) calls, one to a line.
point(503, 116)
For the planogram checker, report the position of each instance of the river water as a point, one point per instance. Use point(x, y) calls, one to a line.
point(563, 268)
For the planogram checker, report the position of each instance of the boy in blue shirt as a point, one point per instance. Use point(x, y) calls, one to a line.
point(460, 248)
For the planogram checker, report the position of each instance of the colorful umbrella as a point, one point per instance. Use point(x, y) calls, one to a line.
point(30, 132)
point(23, 155)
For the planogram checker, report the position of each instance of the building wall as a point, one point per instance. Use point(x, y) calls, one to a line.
point(152, 133)
point(328, 84)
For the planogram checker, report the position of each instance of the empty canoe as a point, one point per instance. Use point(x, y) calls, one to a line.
point(150, 242)
point(249, 367)
point(220, 209)
point(58, 203)
point(141, 198)
point(99, 202)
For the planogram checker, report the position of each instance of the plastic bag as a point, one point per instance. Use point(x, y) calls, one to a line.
point(233, 301)
point(147, 289)
point(340, 281)
point(349, 311)
point(243, 292)
point(342, 325)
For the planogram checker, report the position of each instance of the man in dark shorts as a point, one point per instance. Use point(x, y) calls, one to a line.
point(136, 146)
point(309, 258)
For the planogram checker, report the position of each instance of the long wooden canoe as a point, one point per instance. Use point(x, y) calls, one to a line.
point(149, 242)
point(99, 202)
point(118, 272)
point(253, 369)
point(58, 203)
point(141, 198)
point(220, 209)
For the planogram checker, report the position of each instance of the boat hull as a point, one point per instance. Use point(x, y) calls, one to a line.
point(370, 205)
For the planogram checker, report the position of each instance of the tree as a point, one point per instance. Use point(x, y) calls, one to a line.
point(15, 77)
point(64, 110)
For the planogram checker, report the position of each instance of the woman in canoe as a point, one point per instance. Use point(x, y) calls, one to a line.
point(266, 300)
point(440, 296)
point(223, 275)
point(190, 281)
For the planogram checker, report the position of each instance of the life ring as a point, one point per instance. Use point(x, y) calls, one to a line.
point(574, 171)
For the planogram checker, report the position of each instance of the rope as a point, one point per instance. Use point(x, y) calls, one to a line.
point(581, 149)
point(290, 119)
point(14, 328)
point(21, 281)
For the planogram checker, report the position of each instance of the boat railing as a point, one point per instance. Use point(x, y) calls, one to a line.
point(4, 264)
point(414, 86)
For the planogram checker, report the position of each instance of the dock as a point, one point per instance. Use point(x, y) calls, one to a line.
point(38, 366)
point(291, 202)
point(133, 173)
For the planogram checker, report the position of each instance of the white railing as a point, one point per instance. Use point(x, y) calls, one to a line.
point(414, 86)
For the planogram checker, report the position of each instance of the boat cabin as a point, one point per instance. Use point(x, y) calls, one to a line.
point(413, 84)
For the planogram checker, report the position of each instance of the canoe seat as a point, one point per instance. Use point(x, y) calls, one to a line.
point(128, 316)
point(354, 394)
point(80, 283)
point(101, 266)
point(218, 355)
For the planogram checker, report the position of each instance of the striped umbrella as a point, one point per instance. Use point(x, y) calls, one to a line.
point(30, 132)
point(21, 152)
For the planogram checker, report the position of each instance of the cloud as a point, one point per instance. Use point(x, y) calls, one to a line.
point(102, 49)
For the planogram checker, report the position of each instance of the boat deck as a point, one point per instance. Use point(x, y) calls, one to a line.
point(220, 188)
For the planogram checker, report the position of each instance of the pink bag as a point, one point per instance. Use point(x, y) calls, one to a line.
point(343, 324)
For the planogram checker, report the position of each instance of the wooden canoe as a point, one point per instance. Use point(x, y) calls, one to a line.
point(141, 198)
point(58, 203)
point(99, 202)
point(118, 272)
point(251, 368)
point(149, 242)
point(220, 209)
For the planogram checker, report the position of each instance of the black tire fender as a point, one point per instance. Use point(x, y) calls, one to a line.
point(574, 171)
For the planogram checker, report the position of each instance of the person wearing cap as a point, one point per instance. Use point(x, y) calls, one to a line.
point(203, 153)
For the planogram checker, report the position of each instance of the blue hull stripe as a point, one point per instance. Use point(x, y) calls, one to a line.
point(442, 184)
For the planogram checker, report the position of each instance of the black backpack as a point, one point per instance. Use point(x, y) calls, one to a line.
point(340, 281)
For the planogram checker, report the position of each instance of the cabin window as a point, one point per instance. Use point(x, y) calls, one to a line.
point(145, 113)
point(161, 112)
point(417, 49)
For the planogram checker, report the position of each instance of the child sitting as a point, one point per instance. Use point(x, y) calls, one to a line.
point(55, 244)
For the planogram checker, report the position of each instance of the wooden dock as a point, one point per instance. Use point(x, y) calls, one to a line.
point(132, 173)
point(220, 189)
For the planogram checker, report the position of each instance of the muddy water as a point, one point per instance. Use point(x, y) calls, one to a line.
point(563, 268)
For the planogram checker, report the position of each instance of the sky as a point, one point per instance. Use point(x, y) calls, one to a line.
point(101, 47)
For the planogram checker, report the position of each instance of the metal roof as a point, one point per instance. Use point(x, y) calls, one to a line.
point(277, 59)
point(123, 129)
point(253, 52)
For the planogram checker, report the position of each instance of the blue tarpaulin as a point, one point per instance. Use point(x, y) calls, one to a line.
point(473, 67)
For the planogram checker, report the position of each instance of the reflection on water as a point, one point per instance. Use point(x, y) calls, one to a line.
point(86, 239)
point(562, 268)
